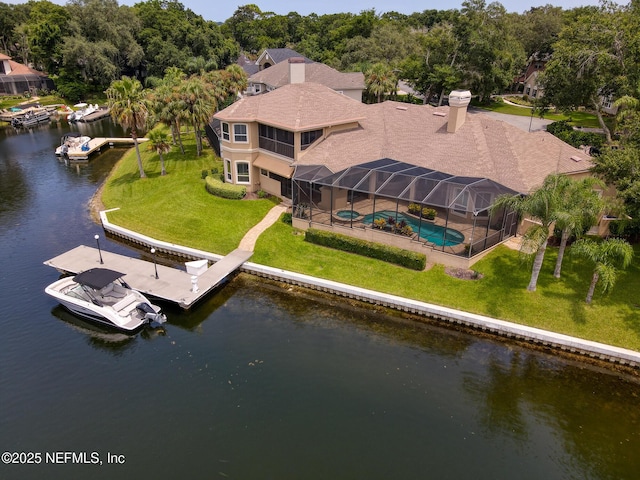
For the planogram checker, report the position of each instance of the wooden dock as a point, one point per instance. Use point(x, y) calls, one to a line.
point(95, 144)
point(103, 112)
point(172, 285)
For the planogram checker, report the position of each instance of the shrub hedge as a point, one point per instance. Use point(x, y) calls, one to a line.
point(225, 190)
point(575, 138)
point(387, 253)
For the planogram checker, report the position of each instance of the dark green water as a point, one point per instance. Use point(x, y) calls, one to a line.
point(263, 383)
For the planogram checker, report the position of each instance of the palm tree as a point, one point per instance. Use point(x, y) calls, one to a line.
point(605, 255)
point(236, 79)
point(579, 210)
point(128, 103)
point(542, 205)
point(200, 105)
point(159, 141)
point(379, 79)
point(167, 105)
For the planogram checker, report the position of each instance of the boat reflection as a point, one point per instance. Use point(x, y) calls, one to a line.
point(103, 338)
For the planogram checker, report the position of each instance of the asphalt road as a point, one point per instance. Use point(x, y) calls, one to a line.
point(528, 123)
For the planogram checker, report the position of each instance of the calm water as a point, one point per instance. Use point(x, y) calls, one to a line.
point(258, 383)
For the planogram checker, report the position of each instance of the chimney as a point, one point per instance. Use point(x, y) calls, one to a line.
point(296, 70)
point(458, 102)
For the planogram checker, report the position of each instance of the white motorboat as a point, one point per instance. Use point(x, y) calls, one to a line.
point(101, 295)
point(84, 110)
point(73, 142)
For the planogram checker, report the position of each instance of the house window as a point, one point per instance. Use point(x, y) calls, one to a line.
point(264, 172)
point(225, 132)
point(276, 140)
point(242, 172)
point(307, 138)
point(227, 170)
point(240, 133)
point(257, 88)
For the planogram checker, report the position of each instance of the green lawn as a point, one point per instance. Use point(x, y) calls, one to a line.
point(176, 208)
point(578, 119)
point(12, 101)
point(557, 305)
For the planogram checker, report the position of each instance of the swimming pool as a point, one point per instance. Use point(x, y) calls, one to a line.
point(431, 233)
point(347, 214)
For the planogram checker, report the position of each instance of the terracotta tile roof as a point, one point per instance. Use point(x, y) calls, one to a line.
point(278, 76)
point(20, 68)
point(415, 134)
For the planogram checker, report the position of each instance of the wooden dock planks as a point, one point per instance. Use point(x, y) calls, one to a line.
point(172, 285)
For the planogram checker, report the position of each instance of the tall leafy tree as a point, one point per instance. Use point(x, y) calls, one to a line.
point(621, 168)
point(434, 66)
point(607, 256)
point(541, 205)
point(491, 53)
point(46, 26)
point(128, 103)
point(101, 43)
point(589, 63)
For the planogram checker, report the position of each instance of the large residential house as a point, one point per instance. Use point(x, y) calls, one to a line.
point(276, 67)
point(344, 165)
point(296, 70)
point(18, 79)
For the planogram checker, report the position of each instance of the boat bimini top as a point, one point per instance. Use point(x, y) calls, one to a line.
point(97, 278)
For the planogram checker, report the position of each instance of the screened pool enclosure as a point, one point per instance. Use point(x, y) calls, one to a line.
point(405, 205)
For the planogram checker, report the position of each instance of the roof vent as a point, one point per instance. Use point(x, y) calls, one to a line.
point(576, 158)
point(439, 114)
point(401, 107)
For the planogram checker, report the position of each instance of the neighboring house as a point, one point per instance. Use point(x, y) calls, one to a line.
point(268, 58)
point(527, 83)
point(296, 70)
point(341, 162)
point(276, 67)
point(17, 79)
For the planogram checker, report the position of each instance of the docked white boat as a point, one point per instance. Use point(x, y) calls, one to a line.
point(73, 142)
point(84, 110)
point(102, 296)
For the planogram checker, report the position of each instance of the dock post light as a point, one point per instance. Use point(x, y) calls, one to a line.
point(155, 265)
point(97, 237)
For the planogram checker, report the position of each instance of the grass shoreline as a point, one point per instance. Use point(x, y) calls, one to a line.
point(176, 208)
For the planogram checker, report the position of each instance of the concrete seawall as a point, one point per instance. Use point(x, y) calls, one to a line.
point(502, 328)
